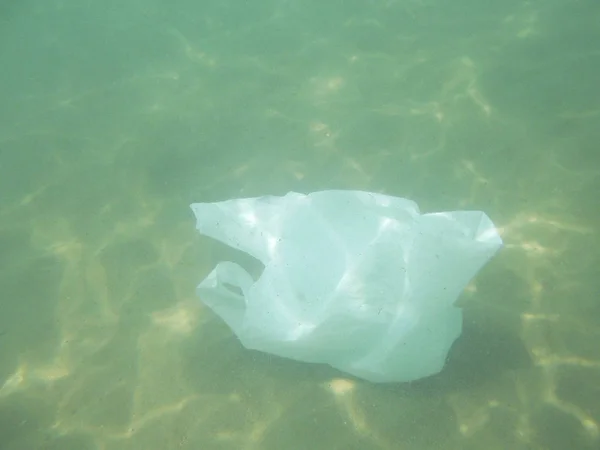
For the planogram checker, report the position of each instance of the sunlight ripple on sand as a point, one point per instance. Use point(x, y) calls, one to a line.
point(179, 320)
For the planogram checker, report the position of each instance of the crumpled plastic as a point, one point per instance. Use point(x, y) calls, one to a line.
point(361, 281)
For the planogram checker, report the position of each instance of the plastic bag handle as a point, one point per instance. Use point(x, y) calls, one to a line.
point(225, 290)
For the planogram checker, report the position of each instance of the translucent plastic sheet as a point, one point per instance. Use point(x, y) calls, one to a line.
point(357, 280)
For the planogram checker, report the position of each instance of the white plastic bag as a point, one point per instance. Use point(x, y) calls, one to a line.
point(360, 281)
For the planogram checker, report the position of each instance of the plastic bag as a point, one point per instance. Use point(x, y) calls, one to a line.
point(357, 280)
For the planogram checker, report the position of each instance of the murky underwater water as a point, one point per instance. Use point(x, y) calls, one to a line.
point(116, 115)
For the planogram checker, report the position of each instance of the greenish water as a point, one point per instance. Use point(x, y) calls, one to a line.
point(115, 115)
